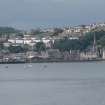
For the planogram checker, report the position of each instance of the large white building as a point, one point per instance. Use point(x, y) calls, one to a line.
point(31, 41)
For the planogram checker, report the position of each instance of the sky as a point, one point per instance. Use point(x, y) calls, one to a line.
point(27, 14)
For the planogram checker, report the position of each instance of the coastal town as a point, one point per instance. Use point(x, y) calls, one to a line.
point(58, 44)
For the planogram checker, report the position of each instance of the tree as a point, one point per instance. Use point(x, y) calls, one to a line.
point(67, 45)
point(57, 31)
point(26, 47)
point(1, 46)
point(83, 26)
point(8, 30)
point(15, 49)
point(88, 39)
point(35, 31)
point(102, 41)
point(83, 43)
point(40, 46)
point(20, 34)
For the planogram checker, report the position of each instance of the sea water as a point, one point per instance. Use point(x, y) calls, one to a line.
point(53, 84)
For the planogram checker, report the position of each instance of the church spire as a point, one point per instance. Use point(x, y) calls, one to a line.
point(94, 43)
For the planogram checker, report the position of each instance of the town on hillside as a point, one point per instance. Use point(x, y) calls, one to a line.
point(58, 44)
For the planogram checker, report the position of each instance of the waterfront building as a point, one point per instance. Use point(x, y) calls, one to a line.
point(54, 53)
point(103, 54)
point(88, 55)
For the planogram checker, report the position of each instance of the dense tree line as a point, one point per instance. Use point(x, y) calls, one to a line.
point(40, 46)
point(64, 44)
point(83, 43)
point(8, 30)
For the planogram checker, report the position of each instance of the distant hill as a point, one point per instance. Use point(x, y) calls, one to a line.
point(8, 30)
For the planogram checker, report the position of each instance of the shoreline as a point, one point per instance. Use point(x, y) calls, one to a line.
point(63, 61)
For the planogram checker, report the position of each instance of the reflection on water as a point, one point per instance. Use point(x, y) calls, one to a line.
point(53, 84)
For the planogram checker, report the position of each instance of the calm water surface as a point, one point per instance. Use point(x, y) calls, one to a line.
point(53, 84)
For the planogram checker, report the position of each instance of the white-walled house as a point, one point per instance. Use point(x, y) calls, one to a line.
point(6, 44)
point(103, 55)
point(88, 55)
point(21, 41)
point(30, 41)
point(47, 42)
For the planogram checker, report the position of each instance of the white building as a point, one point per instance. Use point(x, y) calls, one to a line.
point(30, 41)
point(103, 55)
point(88, 55)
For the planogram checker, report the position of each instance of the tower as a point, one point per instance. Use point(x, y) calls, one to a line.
point(94, 44)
